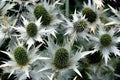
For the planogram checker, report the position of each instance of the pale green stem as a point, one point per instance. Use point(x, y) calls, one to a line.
point(67, 8)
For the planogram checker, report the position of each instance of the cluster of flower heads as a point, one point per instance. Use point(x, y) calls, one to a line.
point(44, 44)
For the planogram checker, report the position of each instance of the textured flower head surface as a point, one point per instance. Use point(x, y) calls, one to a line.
point(78, 27)
point(32, 31)
point(62, 59)
point(21, 59)
point(105, 42)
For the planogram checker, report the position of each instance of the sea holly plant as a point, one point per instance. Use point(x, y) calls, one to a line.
point(78, 27)
point(41, 40)
point(63, 58)
point(21, 59)
point(31, 31)
point(106, 43)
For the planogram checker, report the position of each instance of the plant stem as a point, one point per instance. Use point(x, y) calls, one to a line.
point(67, 8)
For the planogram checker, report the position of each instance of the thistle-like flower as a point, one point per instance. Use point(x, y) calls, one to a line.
point(78, 28)
point(32, 31)
point(21, 59)
point(49, 13)
point(62, 58)
point(105, 42)
point(41, 11)
point(92, 14)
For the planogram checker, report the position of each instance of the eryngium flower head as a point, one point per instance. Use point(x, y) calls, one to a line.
point(61, 59)
point(80, 25)
point(41, 11)
point(31, 29)
point(105, 40)
point(21, 56)
point(21, 60)
point(89, 14)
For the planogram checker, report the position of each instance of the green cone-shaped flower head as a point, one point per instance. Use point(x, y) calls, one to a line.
point(80, 25)
point(61, 59)
point(31, 29)
point(89, 14)
point(41, 11)
point(105, 40)
point(21, 56)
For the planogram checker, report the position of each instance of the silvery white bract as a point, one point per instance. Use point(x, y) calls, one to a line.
point(115, 18)
point(4, 7)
